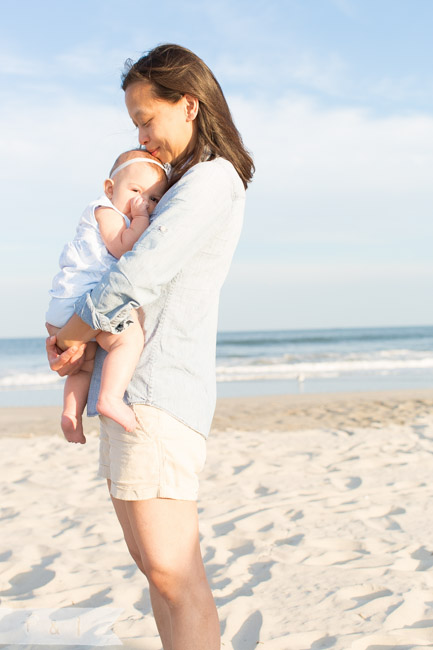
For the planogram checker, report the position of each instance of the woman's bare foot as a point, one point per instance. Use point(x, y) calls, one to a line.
point(116, 409)
point(72, 428)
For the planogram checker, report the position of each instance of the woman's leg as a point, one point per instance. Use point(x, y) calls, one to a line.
point(163, 535)
point(168, 540)
point(159, 607)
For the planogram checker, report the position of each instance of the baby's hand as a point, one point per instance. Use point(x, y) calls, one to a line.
point(139, 207)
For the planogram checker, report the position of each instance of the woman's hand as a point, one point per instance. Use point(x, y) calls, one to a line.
point(64, 363)
point(66, 346)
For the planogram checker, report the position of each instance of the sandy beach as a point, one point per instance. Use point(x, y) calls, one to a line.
point(316, 524)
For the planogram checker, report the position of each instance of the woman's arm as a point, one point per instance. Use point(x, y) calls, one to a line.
point(187, 217)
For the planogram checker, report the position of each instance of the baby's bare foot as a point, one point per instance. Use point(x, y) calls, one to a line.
point(117, 410)
point(72, 428)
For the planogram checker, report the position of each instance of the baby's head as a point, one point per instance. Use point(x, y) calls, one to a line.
point(135, 174)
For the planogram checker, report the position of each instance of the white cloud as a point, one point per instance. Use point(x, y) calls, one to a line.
point(86, 59)
point(337, 149)
point(401, 89)
point(339, 170)
point(11, 65)
point(71, 139)
point(92, 59)
point(325, 75)
point(297, 68)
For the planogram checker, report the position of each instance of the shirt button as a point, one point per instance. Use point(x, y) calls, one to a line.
point(163, 228)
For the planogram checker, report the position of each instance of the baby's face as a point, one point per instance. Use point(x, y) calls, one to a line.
point(139, 179)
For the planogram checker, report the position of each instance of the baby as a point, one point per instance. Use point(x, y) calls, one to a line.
point(108, 228)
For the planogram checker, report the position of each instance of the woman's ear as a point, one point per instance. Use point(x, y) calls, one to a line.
point(108, 188)
point(191, 107)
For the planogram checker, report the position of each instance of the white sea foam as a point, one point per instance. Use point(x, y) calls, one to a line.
point(241, 360)
point(320, 368)
point(29, 380)
point(260, 369)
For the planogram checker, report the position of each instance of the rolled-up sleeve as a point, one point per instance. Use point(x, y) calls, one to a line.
point(185, 219)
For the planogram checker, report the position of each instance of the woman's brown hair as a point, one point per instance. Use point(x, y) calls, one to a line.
point(175, 71)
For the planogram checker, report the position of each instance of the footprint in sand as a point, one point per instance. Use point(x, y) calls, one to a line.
point(240, 468)
point(290, 541)
point(298, 515)
point(23, 584)
point(346, 482)
point(258, 572)
point(419, 560)
point(246, 549)
point(248, 635)
point(425, 558)
point(363, 594)
point(263, 491)
point(98, 599)
point(8, 513)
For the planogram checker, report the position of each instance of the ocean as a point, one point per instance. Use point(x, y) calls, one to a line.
point(259, 363)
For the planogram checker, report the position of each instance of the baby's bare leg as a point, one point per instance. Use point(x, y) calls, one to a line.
point(75, 398)
point(123, 354)
point(75, 394)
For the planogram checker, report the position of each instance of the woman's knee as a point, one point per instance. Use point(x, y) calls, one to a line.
point(175, 582)
point(169, 582)
point(136, 556)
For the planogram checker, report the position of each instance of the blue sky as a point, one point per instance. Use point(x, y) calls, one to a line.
point(333, 97)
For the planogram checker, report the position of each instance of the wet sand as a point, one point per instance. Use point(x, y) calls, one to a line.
point(267, 413)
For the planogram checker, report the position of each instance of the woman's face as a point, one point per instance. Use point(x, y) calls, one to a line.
point(167, 130)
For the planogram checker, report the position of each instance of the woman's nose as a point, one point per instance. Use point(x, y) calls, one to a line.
point(142, 137)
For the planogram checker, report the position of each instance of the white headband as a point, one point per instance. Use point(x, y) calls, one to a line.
point(166, 166)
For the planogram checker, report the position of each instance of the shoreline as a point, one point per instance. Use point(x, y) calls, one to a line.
point(289, 412)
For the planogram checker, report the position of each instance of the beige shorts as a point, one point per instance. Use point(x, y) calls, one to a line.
point(161, 458)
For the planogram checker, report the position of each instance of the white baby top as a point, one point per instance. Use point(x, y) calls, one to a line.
point(85, 259)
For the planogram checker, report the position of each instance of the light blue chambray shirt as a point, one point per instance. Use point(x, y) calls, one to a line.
point(175, 272)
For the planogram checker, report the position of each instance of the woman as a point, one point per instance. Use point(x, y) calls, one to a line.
point(175, 272)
